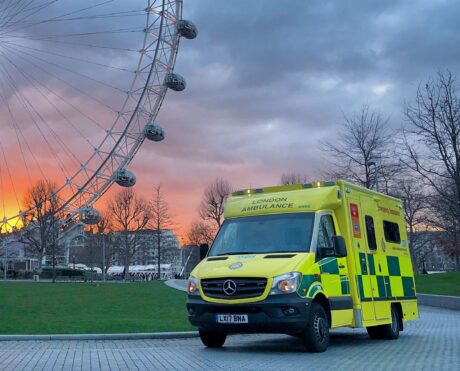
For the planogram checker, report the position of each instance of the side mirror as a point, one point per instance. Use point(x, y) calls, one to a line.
point(203, 251)
point(339, 246)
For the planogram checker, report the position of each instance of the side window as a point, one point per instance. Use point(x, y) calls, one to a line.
point(325, 232)
point(391, 231)
point(370, 232)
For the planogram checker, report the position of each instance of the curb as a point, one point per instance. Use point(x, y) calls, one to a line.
point(439, 301)
point(127, 336)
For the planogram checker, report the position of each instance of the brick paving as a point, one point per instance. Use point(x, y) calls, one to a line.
point(430, 343)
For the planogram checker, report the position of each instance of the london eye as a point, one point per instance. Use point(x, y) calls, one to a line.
point(81, 85)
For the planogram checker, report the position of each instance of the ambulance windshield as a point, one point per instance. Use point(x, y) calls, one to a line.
point(264, 234)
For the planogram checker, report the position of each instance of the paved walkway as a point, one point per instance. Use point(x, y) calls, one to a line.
point(430, 343)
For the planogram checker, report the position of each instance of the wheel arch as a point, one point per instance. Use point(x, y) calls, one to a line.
point(321, 299)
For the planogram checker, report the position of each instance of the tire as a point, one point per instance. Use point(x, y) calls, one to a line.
point(375, 332)
point(387, 332)
point(212, 339)
point(316, 334)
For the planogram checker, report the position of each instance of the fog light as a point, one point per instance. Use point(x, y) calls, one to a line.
point(191, 311)
point(290, 311)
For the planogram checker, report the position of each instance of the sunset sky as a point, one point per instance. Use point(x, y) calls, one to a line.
point(267, 81)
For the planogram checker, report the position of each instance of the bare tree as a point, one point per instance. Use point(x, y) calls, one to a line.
point(213, 201)
point(293, 178)
point(432, 142)
point(445, 217)
point(129, 215)
point(415, 202)
point(161, 220)
point(201, 233)
point(362, 150)
point(40, 231)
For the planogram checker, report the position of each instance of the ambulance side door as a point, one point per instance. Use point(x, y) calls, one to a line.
point(334, 272)
point(359, 251)
point(374, 254)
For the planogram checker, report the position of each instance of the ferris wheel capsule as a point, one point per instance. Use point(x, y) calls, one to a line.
point(125, 178)
point(89, 215)
point(175, 82)
point(154, 132)
point(187, 29)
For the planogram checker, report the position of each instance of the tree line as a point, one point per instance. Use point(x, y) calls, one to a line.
point(119, 226)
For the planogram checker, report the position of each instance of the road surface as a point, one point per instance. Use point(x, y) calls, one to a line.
point(430, 343)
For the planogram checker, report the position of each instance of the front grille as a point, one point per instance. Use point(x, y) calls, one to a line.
point(244, 287)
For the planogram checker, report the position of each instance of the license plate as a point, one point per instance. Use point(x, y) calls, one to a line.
point(232, 318)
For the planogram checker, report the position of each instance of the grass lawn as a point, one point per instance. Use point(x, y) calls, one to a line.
point(438, 283)
point(46, 308)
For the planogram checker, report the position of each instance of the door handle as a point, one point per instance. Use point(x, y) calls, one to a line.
point(341, 266)
point(380, 268)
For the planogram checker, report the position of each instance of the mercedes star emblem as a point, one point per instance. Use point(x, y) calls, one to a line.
point(229, 287)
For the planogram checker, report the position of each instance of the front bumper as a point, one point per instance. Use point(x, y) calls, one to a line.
point(272, 315)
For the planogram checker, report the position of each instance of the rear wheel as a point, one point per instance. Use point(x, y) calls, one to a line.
point(390, 331)
point(316, 335)
point(212, 339)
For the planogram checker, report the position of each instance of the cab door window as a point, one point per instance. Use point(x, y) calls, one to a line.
point(326, 231)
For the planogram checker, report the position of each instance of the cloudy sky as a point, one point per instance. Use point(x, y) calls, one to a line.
point(268, 80)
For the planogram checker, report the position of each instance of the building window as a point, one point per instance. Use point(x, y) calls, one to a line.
point(391, 231)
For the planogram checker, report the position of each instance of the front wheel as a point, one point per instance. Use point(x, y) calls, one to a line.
point(212, 339)
point(316, 335)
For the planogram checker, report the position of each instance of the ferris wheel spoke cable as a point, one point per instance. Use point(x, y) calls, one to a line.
point(12, 9)
point(2, 192)
point(73, 72)
point(25, 25)
point(53, 133)
point(77, 109)
point(9, 175)
point(14, 125)
point(36, 9)
point(80, 34)
point(70, 103)
point(19, 134)
point(21, 7)
point(81, 91)
point(27, 106)
point(70, 57)
point(34, 82)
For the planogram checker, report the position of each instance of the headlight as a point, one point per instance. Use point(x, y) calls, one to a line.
point(192, 287)
point(286, 283)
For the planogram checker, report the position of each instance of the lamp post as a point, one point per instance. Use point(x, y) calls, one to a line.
point(6, 261)
point(103, 257)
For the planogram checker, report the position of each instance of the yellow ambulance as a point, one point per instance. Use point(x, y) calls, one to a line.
point(301, 259)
